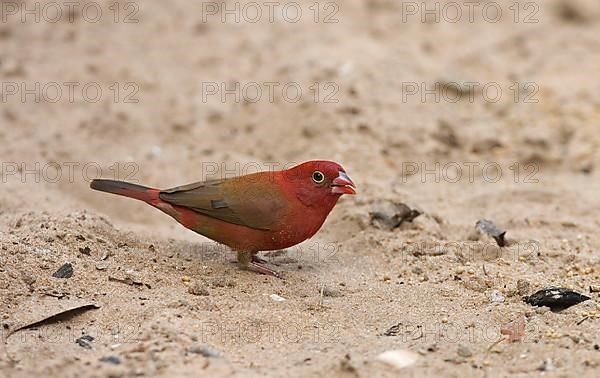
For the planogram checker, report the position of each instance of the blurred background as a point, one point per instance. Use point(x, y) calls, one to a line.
point(181, 89)
point(467, 110)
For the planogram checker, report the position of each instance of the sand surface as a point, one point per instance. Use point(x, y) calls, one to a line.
point(384, 94)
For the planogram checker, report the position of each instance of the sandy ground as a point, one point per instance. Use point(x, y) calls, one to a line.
point(171, 303)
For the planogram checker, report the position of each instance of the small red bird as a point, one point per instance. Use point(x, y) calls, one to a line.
point(257, 212)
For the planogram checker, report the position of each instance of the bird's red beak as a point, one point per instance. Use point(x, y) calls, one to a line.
point(343, 185)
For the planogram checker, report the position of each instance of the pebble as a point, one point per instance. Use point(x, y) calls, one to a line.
point(221, 282)
point(547, 365)
point(85, 341)
point(28, 279)
point(398, 359)
point(522, 286)
point(542, 310)
point(102, 266)
point(204, 350)
point(185, 279)
point(277, 298)
point(198, 289)
point(65, 271)
point(329, 292)
point(111, 360)
point(11, 67)
point(155, 151)
point(388, 215)
point(464, 351)
point(496, 297)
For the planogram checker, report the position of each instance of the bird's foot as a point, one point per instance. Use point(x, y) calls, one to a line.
point(260, 268)
point(259, 260)
point(255, 263)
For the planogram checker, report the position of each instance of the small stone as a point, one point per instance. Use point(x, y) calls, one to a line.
point(11, 67)
point(198, 289)
point(346, 366)
point(185, 279)
point(471, 271)
point(496, 297)
point(85, 341)
point(42, 251)
point(155, 151)
point(204, 350)
point(388, 215)
point(111, 360)
point(547, 365)
point(277, 298)
point(398, 359)
point(522, 286)
point(85, 250)
point(28, 279)
point(221, 282)
point(444, 320)
point(329, 292)
point(459, 270)
point(464, 351)
point(65, 271)
point(489, 228)
point(102, 266)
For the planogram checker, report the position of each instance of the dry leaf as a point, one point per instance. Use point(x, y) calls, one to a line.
point(515, 330)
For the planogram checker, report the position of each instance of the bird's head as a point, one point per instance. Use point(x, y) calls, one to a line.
point(320, 181)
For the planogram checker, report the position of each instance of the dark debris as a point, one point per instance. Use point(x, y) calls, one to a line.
point(390, 215)
point(111, 360)
point(85, 341)
point(490, 228)
point(556, 298)
point(393, 330)
point(65, 271)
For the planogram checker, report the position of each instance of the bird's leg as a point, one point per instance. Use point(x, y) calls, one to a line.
point(257, 259)
point(250, 261)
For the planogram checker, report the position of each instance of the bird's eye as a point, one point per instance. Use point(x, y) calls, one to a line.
point(318, 177)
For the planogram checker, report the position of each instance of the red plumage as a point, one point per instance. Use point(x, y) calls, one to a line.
point(257, 212)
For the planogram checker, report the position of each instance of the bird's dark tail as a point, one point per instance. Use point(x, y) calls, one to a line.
point(126, 189)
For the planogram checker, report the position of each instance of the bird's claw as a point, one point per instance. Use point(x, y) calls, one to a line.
point(260, 268)
point(255, 263)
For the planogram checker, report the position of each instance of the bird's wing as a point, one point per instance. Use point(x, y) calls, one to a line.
point(254, 201)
